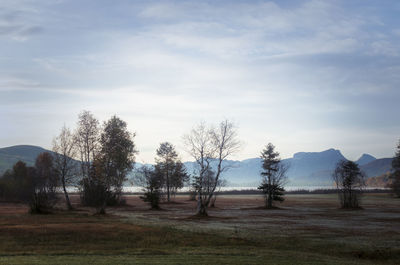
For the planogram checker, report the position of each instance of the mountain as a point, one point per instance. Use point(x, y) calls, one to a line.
point(365, 159)
point(305, 168)
point(10, 155)
point(313, 167)
point(377, 167)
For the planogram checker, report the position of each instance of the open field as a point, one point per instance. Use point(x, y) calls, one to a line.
point(307, 229)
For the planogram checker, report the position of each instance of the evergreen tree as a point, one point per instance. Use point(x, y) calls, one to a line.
point(273, 176)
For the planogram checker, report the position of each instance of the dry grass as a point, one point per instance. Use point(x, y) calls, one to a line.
point(306, 229)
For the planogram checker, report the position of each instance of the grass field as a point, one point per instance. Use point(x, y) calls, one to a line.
point(307, 229)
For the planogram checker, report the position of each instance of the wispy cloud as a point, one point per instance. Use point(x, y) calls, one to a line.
point(273, 66)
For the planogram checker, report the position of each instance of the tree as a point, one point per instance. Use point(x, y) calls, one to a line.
point(116, 156)
point(64, 164)
point(350, 181)
point(170, 168)
point(151, 182)
point(395, 175)
point(16, 184)
point(273, 176)
point(179, 177)
point(45, 183)
point(95, 191)
point(87, 140)
point(221, 183)
point(208, 144)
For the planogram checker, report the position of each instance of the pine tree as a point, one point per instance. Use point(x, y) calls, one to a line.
point(274, 176)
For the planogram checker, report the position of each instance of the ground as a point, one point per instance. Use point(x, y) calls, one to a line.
point(305, 229)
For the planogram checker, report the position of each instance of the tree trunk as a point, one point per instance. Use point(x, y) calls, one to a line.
point(201, 208)
point(212, 201)
point(67, 201)
point(168, 196)
point(269, 200)
point(102, 209)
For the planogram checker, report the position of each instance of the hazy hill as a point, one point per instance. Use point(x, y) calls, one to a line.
point(365, 159)
point(10, 155)
point(305, 168)
point(377, 167)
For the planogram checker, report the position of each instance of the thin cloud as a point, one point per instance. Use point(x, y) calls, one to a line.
point(275, 67)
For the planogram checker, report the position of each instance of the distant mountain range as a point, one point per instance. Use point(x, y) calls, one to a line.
point(305, 168)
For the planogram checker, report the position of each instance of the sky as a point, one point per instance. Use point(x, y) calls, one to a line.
point(305, 75)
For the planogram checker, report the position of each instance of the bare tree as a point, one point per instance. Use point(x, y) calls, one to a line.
point(221, 183)
point(207, 144)
point(64, 164)
point(350, 181)
point(87, 138)
point(273, 176)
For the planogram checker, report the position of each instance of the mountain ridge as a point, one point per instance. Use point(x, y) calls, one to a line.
point(305, 168)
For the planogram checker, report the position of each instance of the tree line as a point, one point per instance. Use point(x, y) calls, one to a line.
point(97, 159)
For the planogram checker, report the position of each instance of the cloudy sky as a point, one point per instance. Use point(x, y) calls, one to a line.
point(304, 75)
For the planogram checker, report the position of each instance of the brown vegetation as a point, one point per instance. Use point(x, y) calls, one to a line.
point(307, 229)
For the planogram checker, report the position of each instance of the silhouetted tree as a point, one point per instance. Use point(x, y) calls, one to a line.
point(395, 175)
point(17, 184)
point(273, 176)
point(350, 181)
point(45, 183)
point(206, 144)
point(170, 169)
point(179, 177)
point(64, 164)
point(116, 156)
point(147, 177)
point(95, 191)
